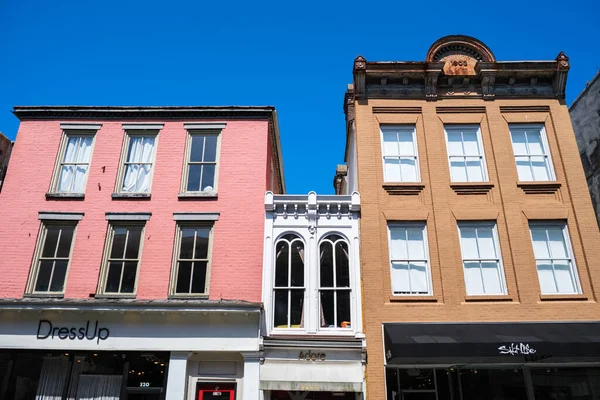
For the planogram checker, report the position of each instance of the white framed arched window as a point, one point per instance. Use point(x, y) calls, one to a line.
point(334, 283)
point(289, 285)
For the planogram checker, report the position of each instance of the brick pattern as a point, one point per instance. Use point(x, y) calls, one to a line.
point(441, 207)
point(236, 271)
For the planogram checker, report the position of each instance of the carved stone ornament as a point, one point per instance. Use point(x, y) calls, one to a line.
point(360, 64)
point(312, 229)
point(431, 85)
point(563, 61)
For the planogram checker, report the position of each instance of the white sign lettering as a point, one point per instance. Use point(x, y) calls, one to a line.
point(516, 349)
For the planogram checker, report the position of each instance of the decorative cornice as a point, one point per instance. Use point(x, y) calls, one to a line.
point(524, 109)
point(397, 110)
point(460, 110)
point(461, 44)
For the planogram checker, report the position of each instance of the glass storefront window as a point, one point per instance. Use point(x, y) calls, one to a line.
point(493, 384)
point(566, 383)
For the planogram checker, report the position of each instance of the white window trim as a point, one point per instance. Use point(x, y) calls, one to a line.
point(105, 257)
point(202, 129)
point(72, 130)
point(547, 153)
point(136, 130)
point(416, 150)
point(484, 171)
point(427, 260)
point(41, 240)
point(176, 249)
point(568, 243)
point(494, 226)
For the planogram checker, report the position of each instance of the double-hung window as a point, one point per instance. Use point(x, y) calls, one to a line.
point(201, 163)
point(73, 162)
point(289, 289)
point(465, 153)
point(482, 261)
point(400, 155)
point(139, 153)
point(122, 258)
point(532, 155)
point(192, 260)
point(334, 278)
point(409, 259)
point(52, 257)
point(554, 258)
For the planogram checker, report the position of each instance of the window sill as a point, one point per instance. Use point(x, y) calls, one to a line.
point(404, 188)
point(488, 298)
point(196, 195)
point(114, 296)
point(546, 187)
point(563, 297)
point(119, 196)
point(413, 299)
point(66, 196)
point(302, 332)
point(472, 187)
point(45, 295)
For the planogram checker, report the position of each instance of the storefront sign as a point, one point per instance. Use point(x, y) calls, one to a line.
point(308, 356)
point(47, 330)
point(517, 348)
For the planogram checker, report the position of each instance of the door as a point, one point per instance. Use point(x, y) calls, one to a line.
point(216, 391)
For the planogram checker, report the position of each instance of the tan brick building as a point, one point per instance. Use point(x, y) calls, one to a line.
point(477, 230)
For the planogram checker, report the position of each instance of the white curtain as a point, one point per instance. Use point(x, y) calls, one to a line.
point(53, 378)
point(75, 164)
point(139, 167)
point(99, 387)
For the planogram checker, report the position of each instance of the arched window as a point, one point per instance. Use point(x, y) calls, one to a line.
point(334, 283)
point(289, 286)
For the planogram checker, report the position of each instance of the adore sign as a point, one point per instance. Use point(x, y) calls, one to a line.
point(47, 330)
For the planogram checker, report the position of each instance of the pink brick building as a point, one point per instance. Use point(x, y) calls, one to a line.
point(146, 222)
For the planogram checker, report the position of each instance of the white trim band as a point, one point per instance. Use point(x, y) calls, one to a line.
point(205, 125)
point(199, 216)
point(133, 127)
point(132, 216)
point(60, 216)
point(86, 127)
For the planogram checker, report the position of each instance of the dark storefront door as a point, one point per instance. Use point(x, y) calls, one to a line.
point(216, 391)
point(285, 395)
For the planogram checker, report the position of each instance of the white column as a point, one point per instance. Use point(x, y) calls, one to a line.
point(250, 385)
point(177, 375)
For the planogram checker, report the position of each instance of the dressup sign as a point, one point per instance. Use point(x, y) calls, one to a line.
point(47, 330)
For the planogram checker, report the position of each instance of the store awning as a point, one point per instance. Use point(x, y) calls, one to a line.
point(314, 376)
point(472, 343)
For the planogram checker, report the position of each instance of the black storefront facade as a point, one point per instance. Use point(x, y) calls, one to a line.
point(513, 361)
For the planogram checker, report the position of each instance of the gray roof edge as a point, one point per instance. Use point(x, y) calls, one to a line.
point(588, 85)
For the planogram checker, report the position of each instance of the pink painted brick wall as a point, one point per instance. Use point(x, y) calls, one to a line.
point(238, 234)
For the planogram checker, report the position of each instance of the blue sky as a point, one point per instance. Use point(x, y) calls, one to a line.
point(296, 56)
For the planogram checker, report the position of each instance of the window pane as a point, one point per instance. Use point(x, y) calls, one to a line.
point(186, 250)
point(540, 168)
point(398, 244)
point(474, 170)
point(327, 309)
point(400, 278)
point(564, 277)
point(147, 149)
point(296, 308)
point(85, 151)
point(416, 249)
point(417, 379)
point(458, 170)
point(473, 278)
point(487, 248)
point(210, 151)
point(136, 149)
point(343, 309)
point(142, 183)
point(534, 140)
point(407, 147)
point(557, 242)
point(408, 168)
point(199, 278)
point(454, 143)
point(524, 169)
point(491, 278)
point(79, 181)
point(281, 264)
point(113, 278)
point(65, 181)
point(133, 242)
point(281, 309)
point(468, 243)
point(471, 142)
point(202, 235)
point(540, 244)
point(184, 274)
point(52, 233)
point(193, 180)
point(127, 286)
point(66, 237)
point(297, 264)
point(392, 170)
point(58, 279)
point(391, 383)
point(130, 178)
point(546, 276)
point(197, 148)
point(118, 243)
point(208, 178)
point(342, 270)
point(390, 143)
point(71, 149)
point(418, 278)
point(43, 279)
point(506, 384)
point(326, 265)
point(519, 141)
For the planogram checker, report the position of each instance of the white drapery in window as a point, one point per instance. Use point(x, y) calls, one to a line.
point(99, 387)
point(409, 259)
point(53, 378)
point(138, 167)
point(75, 164)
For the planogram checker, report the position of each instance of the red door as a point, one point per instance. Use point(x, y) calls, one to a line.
point(216, 391)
